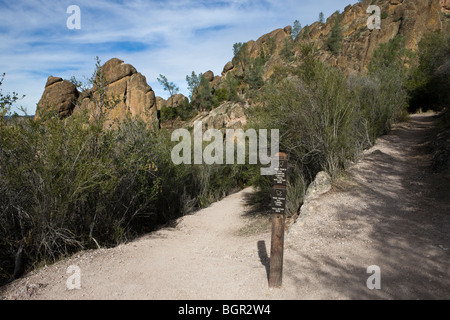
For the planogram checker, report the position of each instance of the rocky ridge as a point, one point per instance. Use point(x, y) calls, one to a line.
point(410, 19)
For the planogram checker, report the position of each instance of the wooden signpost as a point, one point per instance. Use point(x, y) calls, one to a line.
point(278, 221)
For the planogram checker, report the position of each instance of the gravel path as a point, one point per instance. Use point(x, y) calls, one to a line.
point(391, 212)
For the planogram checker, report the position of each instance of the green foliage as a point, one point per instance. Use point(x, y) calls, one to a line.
point(254, 74)
point(232, 84)
point(241, 55)
point(389, 56)
point(429, 85)
point(219, 96)
point(305, 32)
point(385, 98)
point(271, 46)
point(287, 52)
point(193, 82)
point(205, 94)
point(296, 28)
point(335, 38)
point(186, 111)
point(168, 113)
point(168, 86)
point(6, 101)
point(321, 17)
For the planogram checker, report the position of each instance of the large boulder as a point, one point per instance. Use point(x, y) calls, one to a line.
point(115, 69)
point(127, 89)
point(228, 66)
point(59, 96)
point(176, 100)
point(209, 75)
point(160, 102)
point(229, 115)
point(320, 186)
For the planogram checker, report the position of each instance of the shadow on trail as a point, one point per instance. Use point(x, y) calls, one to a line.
point(407, 212)
point(263, 256)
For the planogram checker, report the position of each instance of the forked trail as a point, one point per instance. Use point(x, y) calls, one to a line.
point(392, 212)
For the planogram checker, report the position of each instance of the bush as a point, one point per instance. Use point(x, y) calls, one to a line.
point(168, 113)
point(429, 85)
point(219, 96)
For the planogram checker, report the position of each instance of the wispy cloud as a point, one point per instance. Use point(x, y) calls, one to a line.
point(157, 37)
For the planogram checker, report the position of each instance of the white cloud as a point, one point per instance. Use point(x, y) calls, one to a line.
point(174, 37)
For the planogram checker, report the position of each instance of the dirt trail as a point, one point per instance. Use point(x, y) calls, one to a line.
point(392, 212)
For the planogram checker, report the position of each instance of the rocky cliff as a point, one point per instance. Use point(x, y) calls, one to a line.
point(408, 18)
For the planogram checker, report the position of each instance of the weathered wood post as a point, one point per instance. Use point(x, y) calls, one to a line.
point(278, 222)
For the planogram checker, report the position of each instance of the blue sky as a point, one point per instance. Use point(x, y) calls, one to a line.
point(172, 37)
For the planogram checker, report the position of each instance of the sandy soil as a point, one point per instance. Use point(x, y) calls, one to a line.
point(391, 212)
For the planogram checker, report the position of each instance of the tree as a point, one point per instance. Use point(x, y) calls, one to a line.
point(168, 86)
point(335, 38)
point(6, 101)
point(232, 84)
point(321, 17)
point(241, 55)
point(236, 48)
point(205, 95)
point(305, 32)
point(287, 52)
point(193, 82)
point(296, 28)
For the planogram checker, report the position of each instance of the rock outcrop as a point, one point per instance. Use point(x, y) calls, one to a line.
point(320, 186)
point(228, 66)
point(175, 101)
point(209, 75)
point(126, 90)
point(59, 96)
point(410, 19)
point(445, 4)
point(227, 116)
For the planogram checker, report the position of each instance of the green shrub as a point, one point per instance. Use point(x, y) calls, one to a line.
point(429, 85)
point(334, 41)
point(219, 96)
point(168, 113)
